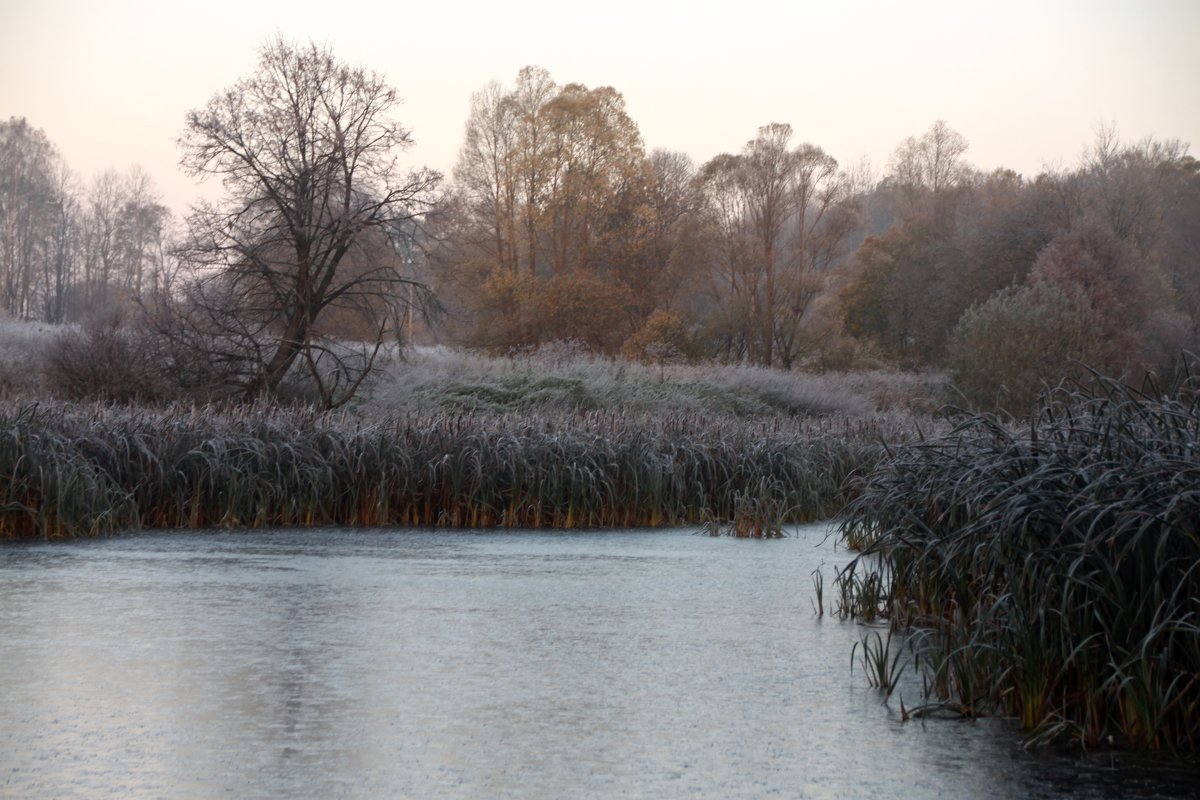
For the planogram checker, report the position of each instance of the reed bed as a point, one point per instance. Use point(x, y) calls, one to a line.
point(69, 470)
point(1049, 570)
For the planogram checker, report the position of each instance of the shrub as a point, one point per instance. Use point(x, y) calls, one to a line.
point(24, 347)
point(664, 338)
point(105, 360)
point(1005, 352)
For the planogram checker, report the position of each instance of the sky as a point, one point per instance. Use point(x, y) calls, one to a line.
point(1027, 83)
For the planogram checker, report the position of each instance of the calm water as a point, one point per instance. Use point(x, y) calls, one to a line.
point(474, 665)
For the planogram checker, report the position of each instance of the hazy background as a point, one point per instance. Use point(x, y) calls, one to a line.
point(1025, 82)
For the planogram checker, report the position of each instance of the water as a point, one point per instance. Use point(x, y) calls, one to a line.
point(473, 665)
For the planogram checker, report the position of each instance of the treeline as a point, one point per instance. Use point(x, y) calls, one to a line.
point(558, 224)
point(68, 247)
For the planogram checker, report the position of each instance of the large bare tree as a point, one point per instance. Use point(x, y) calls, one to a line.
point(306, 147)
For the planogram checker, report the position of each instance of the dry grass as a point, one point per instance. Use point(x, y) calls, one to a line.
point(562, 379)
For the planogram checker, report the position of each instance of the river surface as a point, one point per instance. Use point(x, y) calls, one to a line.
point(339, 663)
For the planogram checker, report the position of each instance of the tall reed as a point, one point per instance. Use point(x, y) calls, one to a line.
point(79, 471)
point(1052, 568)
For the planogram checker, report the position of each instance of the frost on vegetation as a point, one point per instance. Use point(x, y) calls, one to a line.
point(1047, 570)
point(555, 378)
point(561, 378)
point(80, 470)
point(23, 352)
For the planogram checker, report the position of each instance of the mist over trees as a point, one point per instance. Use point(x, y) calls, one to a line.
point(66, 246)
point(778, 256)
point(1102, 243)
point(558, 224)
point(302, 273)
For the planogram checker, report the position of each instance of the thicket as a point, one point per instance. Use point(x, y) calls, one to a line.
point(1048, 570)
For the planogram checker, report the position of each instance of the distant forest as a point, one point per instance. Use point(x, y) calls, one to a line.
point(557, 224)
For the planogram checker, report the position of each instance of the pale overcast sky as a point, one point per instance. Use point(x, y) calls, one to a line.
point(1026, 83)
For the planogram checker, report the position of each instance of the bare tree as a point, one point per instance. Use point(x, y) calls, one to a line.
point(826, 214)
point(27, 166)
point(306, 148)
point(139, 233)
point(534, 89)
point(726, 220)
point(487, 175)
point(101, 251)
point(1126, 186)
point(58, 272)
point(927, 169)
point(782, 218)
point(769, 176)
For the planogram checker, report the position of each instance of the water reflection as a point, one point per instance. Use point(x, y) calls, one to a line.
point(416, 664)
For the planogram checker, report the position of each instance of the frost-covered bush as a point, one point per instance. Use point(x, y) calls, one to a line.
point(23, 351)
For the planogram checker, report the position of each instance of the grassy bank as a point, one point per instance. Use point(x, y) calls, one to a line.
point(1049, 571)
point(68, 470)
point(443, 437)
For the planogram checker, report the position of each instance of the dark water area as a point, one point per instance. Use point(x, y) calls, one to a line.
point(339, 663)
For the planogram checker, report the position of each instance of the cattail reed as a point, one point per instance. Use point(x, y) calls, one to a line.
point(82, 471)
point(1048, 570)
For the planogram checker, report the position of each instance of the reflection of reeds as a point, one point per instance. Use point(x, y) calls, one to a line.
point(71, 470)
point(1050, 572)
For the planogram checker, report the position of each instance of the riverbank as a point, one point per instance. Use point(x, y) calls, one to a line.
point(445, 438)
point(1048, 571)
